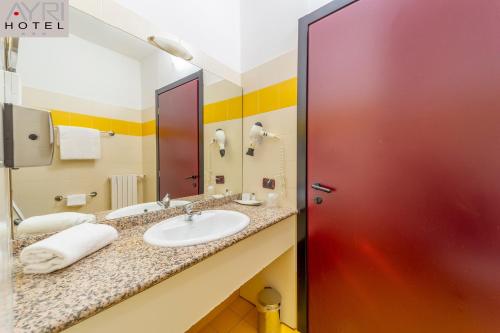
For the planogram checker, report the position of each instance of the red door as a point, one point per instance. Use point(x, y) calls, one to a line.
point(178, 156)
point(404, 125)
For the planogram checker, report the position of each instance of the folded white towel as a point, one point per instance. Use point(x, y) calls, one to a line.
point(53, 222)
point(79, 143)
point(66, 247)
point(76, 200)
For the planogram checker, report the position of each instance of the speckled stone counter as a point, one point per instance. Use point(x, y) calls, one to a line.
point(53, 302)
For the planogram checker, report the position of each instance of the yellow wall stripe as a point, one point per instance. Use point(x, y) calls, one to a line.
point(101, 123)
point(149, 128)
point(274, 97)
point(224, 110)
point(277, 96)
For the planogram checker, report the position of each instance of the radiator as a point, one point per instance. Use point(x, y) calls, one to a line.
point(123, 190)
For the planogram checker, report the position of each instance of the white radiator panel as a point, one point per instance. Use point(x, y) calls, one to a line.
point(123, 190)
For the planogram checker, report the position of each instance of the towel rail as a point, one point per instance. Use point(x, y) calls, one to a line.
point(109, 133)
point(62, 197)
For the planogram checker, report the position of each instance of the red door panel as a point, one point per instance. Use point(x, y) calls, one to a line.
point(178, 140)
point(404, 124)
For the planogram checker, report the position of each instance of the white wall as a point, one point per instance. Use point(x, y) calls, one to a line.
point(315, 4)
point(84, 70)
point(212, 26)
point(239, 34)
point(172, 69)
point(269, 28)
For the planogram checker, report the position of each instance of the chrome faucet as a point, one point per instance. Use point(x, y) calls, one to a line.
point(165, 202)
point(188, 209)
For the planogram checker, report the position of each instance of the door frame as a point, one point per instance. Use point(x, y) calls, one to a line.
point(302, 185)
point(198, 75)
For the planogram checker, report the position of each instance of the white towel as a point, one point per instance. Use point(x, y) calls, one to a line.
point(76, 200)
point(66, 247)
point(53, 222)
point(79, 143)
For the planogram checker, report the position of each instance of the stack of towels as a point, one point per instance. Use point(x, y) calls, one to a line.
point(53, 222)
point(66, 247)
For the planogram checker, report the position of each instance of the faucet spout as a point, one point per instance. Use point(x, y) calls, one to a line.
point(188, 209)
point(165, 202)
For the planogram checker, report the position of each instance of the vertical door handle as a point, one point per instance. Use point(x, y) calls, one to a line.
point(322, 188)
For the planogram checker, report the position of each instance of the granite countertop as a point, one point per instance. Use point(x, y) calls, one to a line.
point(55, 301)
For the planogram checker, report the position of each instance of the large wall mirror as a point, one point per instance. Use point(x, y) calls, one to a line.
point(163, 124)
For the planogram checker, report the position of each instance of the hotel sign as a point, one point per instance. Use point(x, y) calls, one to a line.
point(34, 18)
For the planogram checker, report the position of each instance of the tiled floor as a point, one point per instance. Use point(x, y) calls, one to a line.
point(239, 316)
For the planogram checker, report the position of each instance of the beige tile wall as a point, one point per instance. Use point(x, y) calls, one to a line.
point(35, 188)
point(230, 165)
point(49, 100)
point(282, 122)
point(149, 167)
point(149, 158)
point(268, 160)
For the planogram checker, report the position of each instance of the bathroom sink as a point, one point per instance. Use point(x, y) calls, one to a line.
point(142, 208)
point(209, 226)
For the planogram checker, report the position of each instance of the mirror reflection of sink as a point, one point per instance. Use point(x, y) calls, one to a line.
point(209, 226)
point(142, 208)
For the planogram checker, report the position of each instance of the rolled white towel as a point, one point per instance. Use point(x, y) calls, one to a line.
point(53, 222)
point(66, 247)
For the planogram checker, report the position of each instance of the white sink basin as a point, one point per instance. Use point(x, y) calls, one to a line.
point(209, 226)
point(142, 208)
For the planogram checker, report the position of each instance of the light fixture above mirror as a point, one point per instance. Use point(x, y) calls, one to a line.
point(170, 46)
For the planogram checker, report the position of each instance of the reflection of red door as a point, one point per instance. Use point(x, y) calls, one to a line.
point(178, 114)
point(404, 124)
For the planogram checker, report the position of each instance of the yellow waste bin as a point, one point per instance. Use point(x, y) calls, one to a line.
point(268, 306)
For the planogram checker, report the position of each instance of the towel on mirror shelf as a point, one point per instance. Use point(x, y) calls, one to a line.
point(53, 222)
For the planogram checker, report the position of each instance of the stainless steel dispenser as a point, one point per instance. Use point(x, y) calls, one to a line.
point(28, 136)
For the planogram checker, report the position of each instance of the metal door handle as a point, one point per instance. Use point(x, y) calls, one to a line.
point(191, 177)
point(319, 187)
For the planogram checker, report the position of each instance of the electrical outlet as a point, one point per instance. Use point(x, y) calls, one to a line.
point(219, 179)
point(268, 183)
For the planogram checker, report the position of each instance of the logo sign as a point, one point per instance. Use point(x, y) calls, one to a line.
point(34, 18)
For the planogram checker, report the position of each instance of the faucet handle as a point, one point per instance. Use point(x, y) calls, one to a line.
point(166, 197)
point(188, 208)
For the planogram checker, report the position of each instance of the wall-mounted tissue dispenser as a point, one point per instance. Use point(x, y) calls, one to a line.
point(28, 136)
